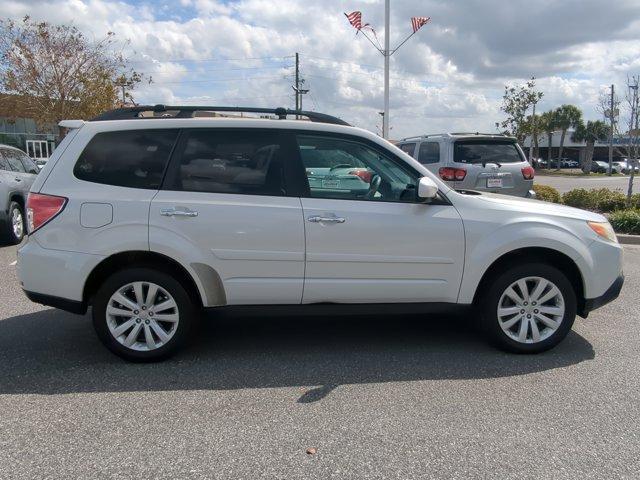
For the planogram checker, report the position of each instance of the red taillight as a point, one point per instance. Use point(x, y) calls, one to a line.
point(42, 208)
point(528, 173)
point(365, 175)
point(452, 174)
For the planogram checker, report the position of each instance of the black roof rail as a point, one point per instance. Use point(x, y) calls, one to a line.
point(188, 111)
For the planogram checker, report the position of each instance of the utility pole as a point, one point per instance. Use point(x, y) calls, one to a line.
point(611, 117)
point(387, 55)
point(298, 86)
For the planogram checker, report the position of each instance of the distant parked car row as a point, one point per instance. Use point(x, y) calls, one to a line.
point(564, 163)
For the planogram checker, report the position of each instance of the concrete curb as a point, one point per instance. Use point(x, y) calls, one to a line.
point(628, 239)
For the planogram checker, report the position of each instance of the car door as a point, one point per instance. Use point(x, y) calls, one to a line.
point(8, 183)
point(380, 243)
point(21, 179)
point(224, 210)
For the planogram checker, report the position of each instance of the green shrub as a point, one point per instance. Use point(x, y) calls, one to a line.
point(601, 200)
point(626, 221)
point(548, 194)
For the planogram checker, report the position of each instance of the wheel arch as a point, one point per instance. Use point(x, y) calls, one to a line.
point(202, 283)
point(544, 255)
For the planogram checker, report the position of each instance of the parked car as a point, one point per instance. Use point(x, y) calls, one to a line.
point(624, 166)
point(473, 161)
point(151, 220)
point(598, 166)
point(17, 173)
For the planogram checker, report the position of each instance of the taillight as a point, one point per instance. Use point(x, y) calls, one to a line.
point(365, 175)
point(528, 173)
point(452, 174)
point(42, 208)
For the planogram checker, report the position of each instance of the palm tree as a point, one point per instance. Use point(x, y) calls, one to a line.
point(547, 124)
point(590, 133)
point(567, 116)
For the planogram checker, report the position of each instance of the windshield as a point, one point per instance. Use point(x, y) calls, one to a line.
point(486, 151)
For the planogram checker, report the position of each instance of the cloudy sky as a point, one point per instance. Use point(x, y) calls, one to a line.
point(448, 77)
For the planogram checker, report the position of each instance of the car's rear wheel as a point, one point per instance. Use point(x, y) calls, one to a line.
point(16, 226)
point(529, 308)
point(143, 314)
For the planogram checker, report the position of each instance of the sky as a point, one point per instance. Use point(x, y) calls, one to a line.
point(450, 76)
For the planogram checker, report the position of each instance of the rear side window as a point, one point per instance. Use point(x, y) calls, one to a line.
point(408, 148)
point(229, 161)
point(483, 151)
point(29, 165)
point(4, 164)
point(130, 158)
point(429, 153)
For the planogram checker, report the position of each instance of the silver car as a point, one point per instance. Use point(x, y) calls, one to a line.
point(474, 161)
point(17, 173)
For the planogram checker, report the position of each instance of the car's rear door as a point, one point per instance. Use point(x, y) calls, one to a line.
point(224, 210)
point(381, 245)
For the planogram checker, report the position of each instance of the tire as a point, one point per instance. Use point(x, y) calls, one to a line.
point(175, 326)
point(563, 306)
point(14, 233)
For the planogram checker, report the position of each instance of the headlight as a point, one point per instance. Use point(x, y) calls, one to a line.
point(604, 230)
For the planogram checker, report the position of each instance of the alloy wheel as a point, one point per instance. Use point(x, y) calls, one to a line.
point(17, 223)
point(142, 316)
point(531, 310)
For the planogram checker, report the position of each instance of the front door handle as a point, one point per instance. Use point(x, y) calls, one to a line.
point(18, 179)
point(172, 212)
point(319, 219)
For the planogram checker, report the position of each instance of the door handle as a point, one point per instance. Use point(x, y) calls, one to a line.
point(172, 212)
point(18, 179)
point(319, 219)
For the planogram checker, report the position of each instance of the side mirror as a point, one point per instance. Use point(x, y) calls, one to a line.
point(427, 188)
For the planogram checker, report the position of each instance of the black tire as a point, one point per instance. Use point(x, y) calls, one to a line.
point(500, 283)
point(187, 312)
point(9, 233)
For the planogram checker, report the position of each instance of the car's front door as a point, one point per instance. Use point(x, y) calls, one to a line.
point(375, 241)
point(21, 177)
point(224, 211)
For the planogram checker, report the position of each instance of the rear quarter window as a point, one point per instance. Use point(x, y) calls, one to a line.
point(483, 151)
point(429, 153)
point(129, 158)
point(408, 148)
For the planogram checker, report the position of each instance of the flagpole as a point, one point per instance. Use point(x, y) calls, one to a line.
point(387, 54)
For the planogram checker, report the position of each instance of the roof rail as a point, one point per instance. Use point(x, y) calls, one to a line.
point(479, 133)
point(188, 111)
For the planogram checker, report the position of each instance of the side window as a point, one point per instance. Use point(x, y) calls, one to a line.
point(345, 169)
point(13, 157)
point(408, 148)
point(129, 158)
point(29, 165)
point(229, 161)
point(4, 164)
point(429, 153)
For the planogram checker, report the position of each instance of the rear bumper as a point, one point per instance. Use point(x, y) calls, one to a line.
point(72, 306)
point(610, 295)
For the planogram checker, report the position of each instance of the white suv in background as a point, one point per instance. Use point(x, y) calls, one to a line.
point(149, 215)
point(474, 161)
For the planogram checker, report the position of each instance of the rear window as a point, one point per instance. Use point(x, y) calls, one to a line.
point(483, 151)
point(408, 148)
point(131, 158)
point(429, 153)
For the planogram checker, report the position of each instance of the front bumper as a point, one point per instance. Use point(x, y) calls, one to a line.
point(610, 295)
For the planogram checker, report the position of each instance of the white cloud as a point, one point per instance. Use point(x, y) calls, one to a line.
point(450, 76)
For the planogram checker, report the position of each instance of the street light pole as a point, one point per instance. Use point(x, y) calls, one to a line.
point(387, 54)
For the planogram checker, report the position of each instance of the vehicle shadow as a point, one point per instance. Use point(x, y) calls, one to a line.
point(52, 352)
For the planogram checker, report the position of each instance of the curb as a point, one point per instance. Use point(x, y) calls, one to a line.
point(628, 239)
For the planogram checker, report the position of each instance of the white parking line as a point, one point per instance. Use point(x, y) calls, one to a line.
point(13, 263)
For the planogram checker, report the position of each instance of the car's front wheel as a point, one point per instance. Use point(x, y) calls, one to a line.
point(529, 308)
point(143, 314)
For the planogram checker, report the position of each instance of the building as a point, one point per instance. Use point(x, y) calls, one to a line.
point(20, 129)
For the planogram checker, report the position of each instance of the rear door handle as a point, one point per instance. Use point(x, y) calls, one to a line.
point(172, 212)
point(319, 219)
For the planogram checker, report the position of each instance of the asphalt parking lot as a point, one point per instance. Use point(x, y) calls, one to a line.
point(564, 184)
point(378, 397)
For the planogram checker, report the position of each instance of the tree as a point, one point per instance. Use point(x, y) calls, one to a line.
point(532, 128)
point(58, 73)
point(590, 133)
point(548, 124)
point(516, 101)
point(567, 116)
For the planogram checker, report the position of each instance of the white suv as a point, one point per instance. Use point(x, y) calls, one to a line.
point(151, 220)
